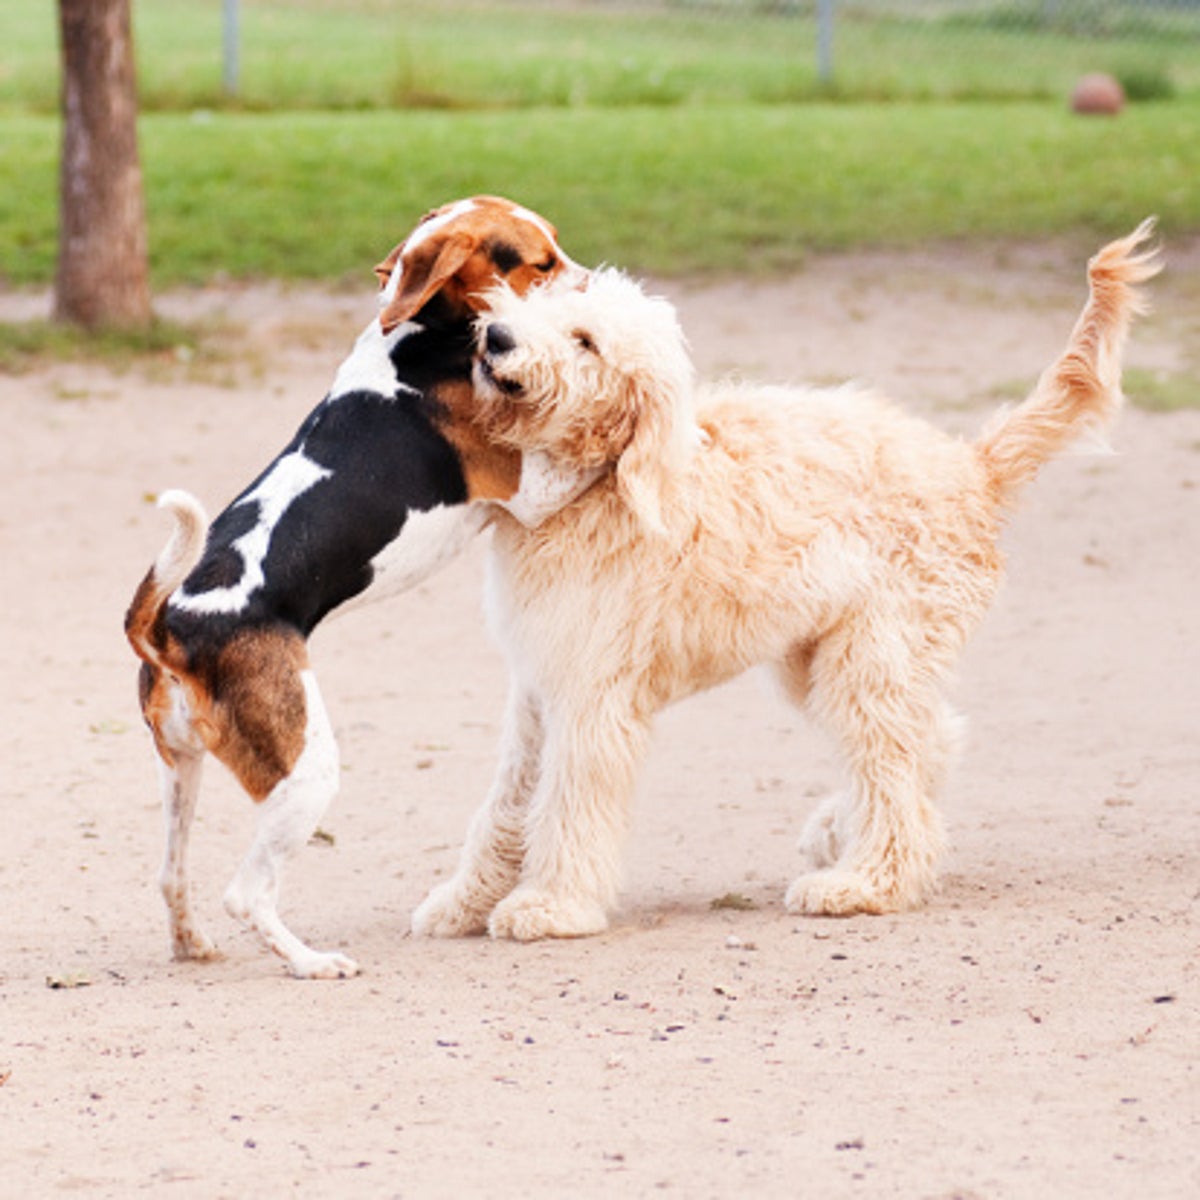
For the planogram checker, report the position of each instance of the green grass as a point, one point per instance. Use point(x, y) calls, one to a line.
point(340, 54)
point(722, 189)
point(669, 138)
point(1158, 391)
point(29, 343)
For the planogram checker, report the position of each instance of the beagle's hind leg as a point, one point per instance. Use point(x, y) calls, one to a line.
point(180, 784)
point(179, 754)
point(287, 819)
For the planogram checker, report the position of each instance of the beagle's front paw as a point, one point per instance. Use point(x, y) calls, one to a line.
point(322, 964)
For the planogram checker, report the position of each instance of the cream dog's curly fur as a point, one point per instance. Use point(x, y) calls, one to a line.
point(824, 532)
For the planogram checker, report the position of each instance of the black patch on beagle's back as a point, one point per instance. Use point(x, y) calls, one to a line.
point(300, 539)
point(222, 566)
point(382, 457)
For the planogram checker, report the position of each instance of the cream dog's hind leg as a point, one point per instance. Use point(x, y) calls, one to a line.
point(880, 699)
point(490, 864)
point(824, 832)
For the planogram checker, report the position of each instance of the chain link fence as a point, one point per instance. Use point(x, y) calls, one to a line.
point(507, 53)
point(880, 49)
point(1106, 29)
point(487, 54)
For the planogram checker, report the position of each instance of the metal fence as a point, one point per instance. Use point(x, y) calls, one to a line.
point(759, 50)
point(1086, 20)
point(856, 45)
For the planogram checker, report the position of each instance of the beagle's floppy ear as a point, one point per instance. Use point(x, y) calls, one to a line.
point(425, 272)
point(383, 270)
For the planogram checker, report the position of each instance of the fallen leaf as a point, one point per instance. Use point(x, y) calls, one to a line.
point(69, 979)
point(110, 725)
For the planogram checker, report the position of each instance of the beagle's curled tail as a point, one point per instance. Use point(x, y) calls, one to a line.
point(1082, 390)
point(173, 565)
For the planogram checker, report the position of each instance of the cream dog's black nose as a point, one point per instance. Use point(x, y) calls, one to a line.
point(499, 339)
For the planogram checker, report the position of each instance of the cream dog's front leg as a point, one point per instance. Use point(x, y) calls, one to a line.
point(576, 824)
point(490, 864)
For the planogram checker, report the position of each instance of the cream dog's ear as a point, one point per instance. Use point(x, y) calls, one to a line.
point(663, 441)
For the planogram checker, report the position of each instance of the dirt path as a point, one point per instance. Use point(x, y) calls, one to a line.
point(1033, 1032)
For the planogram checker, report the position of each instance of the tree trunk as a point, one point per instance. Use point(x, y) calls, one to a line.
point(103, 274)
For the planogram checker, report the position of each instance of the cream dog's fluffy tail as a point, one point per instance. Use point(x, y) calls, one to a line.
point(1082, 389)
point(173, 565)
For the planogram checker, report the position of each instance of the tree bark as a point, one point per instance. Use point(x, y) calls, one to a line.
point(103, 273)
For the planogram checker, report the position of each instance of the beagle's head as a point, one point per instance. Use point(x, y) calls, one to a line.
point(459, 251)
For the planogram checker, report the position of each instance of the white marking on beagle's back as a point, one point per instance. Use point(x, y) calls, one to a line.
point(290, 477)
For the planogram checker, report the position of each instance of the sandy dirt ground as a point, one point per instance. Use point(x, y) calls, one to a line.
point(1033, 1032)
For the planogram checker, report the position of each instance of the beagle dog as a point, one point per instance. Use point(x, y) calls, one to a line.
point(385, 480)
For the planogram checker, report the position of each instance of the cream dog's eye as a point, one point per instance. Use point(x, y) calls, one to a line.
point(583, 340)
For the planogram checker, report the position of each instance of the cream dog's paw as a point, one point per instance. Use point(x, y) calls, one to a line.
point(529, 914)
point(452, 909)
point(837, 893)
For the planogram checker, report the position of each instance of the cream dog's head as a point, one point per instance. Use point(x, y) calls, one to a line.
point(592, 376)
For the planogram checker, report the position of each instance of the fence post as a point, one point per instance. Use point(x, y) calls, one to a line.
point(229, 41)
point(825, 42)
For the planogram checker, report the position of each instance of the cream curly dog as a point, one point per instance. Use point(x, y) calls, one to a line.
point(826, 533)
